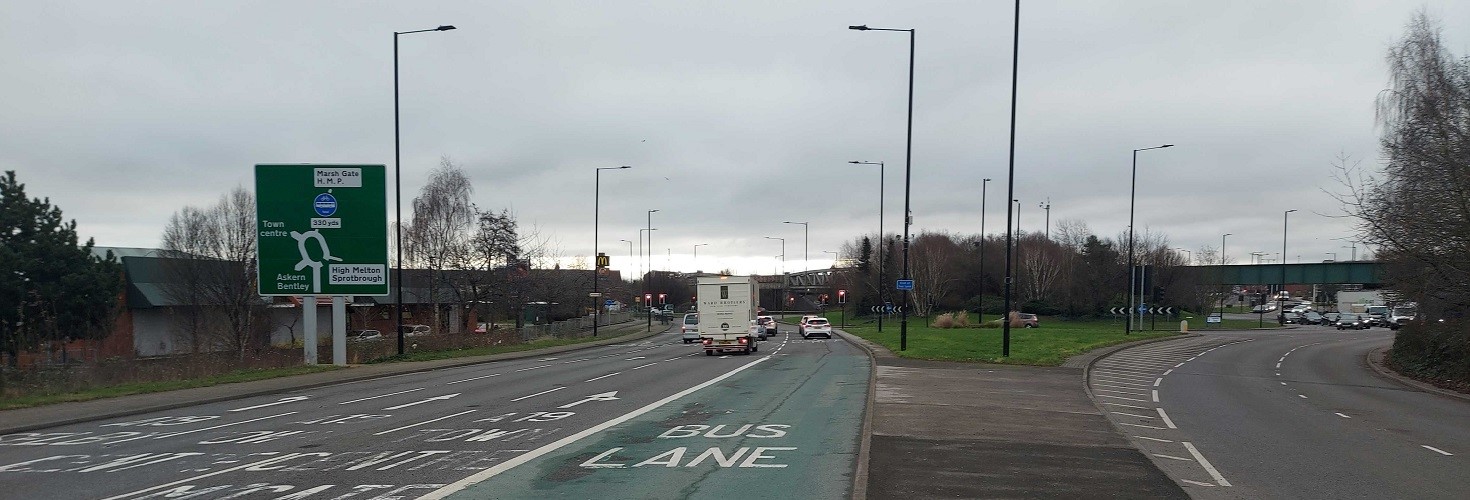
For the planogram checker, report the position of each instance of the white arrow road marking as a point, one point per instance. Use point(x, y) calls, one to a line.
point(381, 396)
point(606, 396)
point(435, 398)
point(282, 401)
point(422, 423)
point(537, 394)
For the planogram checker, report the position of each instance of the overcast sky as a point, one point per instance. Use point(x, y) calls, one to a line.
point(735, 116)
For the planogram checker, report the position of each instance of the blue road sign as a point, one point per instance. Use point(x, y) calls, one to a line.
point(1142, 309)
point(905, 284)
point(609, 302)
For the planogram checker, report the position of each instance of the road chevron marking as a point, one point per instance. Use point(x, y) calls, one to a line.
point(1219, 479)
point(563, 442)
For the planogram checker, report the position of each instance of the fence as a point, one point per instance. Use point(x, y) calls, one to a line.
point(573, 328)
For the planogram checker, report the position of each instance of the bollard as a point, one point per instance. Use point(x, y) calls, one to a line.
point(1184, 326)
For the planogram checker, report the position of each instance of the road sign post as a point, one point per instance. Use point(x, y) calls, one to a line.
point(321, 230)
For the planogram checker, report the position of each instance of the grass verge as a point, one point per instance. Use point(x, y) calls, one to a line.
point(1049, 345)
point(501, 349)
point(167, 385)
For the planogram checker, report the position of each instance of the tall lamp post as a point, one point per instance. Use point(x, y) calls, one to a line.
point(1188, 256)
point(1005, 343)
point(597, 257)
point(1132, 194)
point(1222, 277)
point(398, 188)
point(881, 289)
point(1046, 205)
point(783, 251)
point(648, 311)
point(1279, 312)
point(696, 255)
point(806, 241)
point(908, 155)
point(980, 315)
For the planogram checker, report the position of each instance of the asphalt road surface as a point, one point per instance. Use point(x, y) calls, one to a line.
point(650, 419)
point(1285, 414)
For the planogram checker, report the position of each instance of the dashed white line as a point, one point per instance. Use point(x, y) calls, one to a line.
point(1154, 439)
point(1172, 457)
point(382, 395)
point(1303, 396)
point(1156, 396)
point(1167, 372)
point(1158, 381)
point(1178, 365)
point(474, 378)
point(532, 368)
point(1165, 416)
point(1341, 415)
point(1197, 483)
point(635, 357)
point(409, 426)
point(646, 366)
point(537, 394)
point(1278, 366)
point(602, 377)
point(1437, 450)
point(1219, 479)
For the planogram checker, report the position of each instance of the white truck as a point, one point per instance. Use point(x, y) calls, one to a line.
point(1357, 301)
point(727, 305)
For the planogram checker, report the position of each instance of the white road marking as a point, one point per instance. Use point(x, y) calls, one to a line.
point(1132, 415)
point(646, 366)
point(537, 394)
point(1165, 416)
point(1143, 426)
point(261, 463)
point(1278, 366)
point(475, 378)
point(1129, 390)
point(533, 454)
point(1219, 479)
point(1197, 483)
point(635, 357)
point(1343, 416)
point(180, 433)
point(382, 396)
point(1122, 398)
point(1121, 375)
point(602, 377)
point(1178, 365)
point(532, 368)
point(548, 359)
point(1154, 439)
point(1172, 457)
point(1167, 372)
point(1130, 406)
point(1283, 383)
point(435, 398)
point(1437, 450)
point(281, 401)
point(1156, 396)
point(725, 356)
point(410, 426)
point(1134, 383)
point(1303, 396)
point(1158, 381)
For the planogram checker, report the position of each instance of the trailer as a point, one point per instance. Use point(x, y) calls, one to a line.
point(727, 306)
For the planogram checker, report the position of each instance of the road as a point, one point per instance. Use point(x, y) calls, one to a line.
point(653, 418)
point(1285, 414)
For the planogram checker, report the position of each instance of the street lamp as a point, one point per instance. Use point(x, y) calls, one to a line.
point(1282, 314)
point(908, 155)
point(834, 257)
point(630, 246)
point(1132, 194)
point(783, 252)
point(649, 303)
point(980, 314)
point(398, 188)
point(1334, 256)
point(597, 257)
point(1047, 206)
point(881, 289)
point(1189, 256)
point(805, 241)
point(696, 255)
point(1222, 277)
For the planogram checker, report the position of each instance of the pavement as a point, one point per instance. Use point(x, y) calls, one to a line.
point(964, 430)
point(40, 417)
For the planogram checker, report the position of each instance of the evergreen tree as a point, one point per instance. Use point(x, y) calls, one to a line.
point(50, 288)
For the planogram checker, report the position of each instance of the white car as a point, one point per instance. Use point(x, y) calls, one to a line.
point(363, 335)
point(817, 326)
point(801, 325)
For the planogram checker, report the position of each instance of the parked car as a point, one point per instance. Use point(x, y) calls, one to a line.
point(363, 335)
point(415, 330)
point(770, 324)
point(1028, 320)
point(816, 326)
point(757, 330)
point(690, 330)
point(1352, 321)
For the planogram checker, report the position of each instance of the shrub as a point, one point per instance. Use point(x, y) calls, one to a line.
point(1433, 351)
point(945, 320)
point(962, 319)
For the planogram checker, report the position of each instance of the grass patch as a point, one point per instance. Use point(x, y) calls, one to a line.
point(113, 391)
point(1049, 345)
point(500, 349)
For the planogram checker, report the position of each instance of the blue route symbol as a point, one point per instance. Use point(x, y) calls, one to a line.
point(1142, 309)
point(905, 284)
point(325, 204)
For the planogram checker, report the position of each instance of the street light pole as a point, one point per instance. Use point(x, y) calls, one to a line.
point(783, 252)
point(1222, 278)
point(597, 266)
point(1132, 194)
point(881, 289)
point(903, 325)
point(1047, 206)
point(805, 242)
point(1279, 312)
point(648, 302)
point(980, 315)
point(398, 189)
point(696, 255)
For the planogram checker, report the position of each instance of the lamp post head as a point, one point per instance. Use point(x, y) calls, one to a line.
point(652, 211)
point(1166, 146)
point(1290, 211)
point(987, 179)
point(859, 28)
point(444, 28)
point(626, 166)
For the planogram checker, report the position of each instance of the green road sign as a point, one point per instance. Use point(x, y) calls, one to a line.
point(322, 229)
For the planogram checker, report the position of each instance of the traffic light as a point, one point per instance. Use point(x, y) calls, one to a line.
point(663, 298)
point(842, 296)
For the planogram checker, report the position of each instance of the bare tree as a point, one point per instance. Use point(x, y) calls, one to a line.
point(211, 263)
point(935, 270)
point(442, 217)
